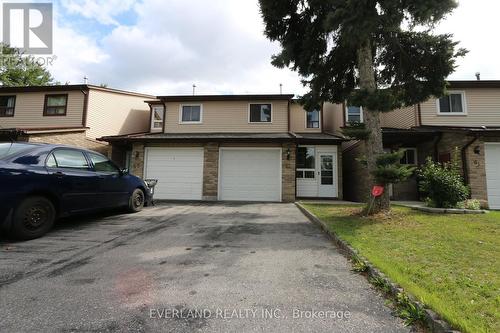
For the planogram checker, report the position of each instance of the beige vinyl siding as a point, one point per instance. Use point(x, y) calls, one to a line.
point(28, 112)
point(333, 117)
point(298, 120)
point(483, 109)
point(116, 114)
point(227, 117)
point(400, 118)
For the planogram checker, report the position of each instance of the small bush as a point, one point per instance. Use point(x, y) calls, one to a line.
point(443, 184)
point(358, 264)
point(472, 204)
point(408, 310)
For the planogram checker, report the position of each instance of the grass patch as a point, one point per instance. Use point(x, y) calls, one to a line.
point(451, 263)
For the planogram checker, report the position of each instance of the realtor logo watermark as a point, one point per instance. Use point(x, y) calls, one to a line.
point(28, 27)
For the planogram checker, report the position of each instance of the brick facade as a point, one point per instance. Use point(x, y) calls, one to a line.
point(210, 171)
point(288, 179)
point(77, 139)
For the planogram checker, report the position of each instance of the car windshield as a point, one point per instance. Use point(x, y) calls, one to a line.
point(11, 148)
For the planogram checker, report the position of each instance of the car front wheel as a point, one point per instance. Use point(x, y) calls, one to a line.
point(33, 218)
point(136, 201)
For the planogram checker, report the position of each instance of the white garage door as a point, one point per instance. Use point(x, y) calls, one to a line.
point(492, 156)
point(179, 172)
point(250, 174)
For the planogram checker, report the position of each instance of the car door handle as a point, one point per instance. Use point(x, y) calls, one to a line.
point(58, 174)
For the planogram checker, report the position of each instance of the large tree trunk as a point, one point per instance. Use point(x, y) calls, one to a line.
point(374, 146)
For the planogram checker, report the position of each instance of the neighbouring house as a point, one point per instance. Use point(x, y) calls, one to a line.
point(70, 114)
point(235, 148)
point(467, 120)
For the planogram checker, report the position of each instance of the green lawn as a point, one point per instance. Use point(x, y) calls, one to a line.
point(450, 262)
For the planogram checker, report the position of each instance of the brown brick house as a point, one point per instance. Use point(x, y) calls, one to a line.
point(70, 114)
point(235, 148)
point(467, 120)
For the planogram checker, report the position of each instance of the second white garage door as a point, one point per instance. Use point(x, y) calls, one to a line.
point(250, 174)
point(179, 172)
point(492, 157)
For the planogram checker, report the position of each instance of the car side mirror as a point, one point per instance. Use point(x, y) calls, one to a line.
point(123, 172)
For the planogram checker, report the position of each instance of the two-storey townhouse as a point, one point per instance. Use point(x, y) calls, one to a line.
point(234, 148)
point(70, 114)
point(466, 121)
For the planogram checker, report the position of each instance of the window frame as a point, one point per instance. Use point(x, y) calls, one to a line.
point(54, 151)
point(319, 119)
point(5, 108)
point(261, 122)
point(93, 165)
point(415, 155)
point(181, 109)
point(45, 106)
point(361, 120)
point(153, 121)
point(451, 113)
point(304, 170)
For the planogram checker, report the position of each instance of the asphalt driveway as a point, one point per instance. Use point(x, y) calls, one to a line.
point(187, 268)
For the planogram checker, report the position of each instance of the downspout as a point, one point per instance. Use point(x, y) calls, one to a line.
point(322, 118)
point(436, 143)
point(85, 106)
point(464, 161)
point(288, 115)
point(419, 114)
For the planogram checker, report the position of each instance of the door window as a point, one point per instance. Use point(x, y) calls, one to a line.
point(102, 164)
point(326, 170)
point(71, 159)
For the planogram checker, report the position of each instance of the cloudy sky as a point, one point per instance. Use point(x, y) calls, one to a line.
point(164, 46)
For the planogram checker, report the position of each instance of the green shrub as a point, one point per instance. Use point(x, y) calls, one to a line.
point(472, 204)
point(442, 184)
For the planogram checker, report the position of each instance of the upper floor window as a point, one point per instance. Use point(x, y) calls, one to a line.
point(312, 119)
point(55, 105)
point(157, 117)
point(354, 114)
point(191, 113)
point(260, 113)
point(452, 104)
point(7, 105)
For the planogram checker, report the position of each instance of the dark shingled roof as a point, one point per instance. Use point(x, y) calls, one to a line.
point(238, 137)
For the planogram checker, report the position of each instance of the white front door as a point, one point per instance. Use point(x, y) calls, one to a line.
point(326, 175)
point(492, 164)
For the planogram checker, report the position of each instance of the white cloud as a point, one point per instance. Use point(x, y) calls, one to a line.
point(102, 11)
point(219, 45)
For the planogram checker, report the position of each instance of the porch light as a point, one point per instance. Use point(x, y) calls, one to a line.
point(477, 150)
point(288, 152)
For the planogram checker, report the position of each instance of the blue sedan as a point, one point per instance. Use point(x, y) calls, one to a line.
point(41, 182)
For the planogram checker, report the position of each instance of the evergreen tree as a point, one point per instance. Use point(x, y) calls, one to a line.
point(378, 54)
point(17, 69)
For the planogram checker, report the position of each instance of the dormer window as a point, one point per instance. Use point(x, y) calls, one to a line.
point(354, 114)
point(312, 119)
point(157, 117)
point(452, 104)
